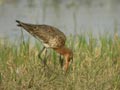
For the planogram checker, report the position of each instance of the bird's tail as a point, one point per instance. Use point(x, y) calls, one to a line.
point(19, 23)
point(26, 26)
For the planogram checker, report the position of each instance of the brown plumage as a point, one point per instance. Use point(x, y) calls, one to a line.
point(51, 38)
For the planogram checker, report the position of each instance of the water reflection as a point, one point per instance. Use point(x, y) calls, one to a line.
point(71, 16)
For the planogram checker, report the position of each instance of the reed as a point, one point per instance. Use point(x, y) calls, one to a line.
point(95, 66)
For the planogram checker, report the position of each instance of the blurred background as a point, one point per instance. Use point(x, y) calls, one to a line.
point(70, 16)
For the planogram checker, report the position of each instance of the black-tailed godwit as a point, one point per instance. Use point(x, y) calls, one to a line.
point(51, 38)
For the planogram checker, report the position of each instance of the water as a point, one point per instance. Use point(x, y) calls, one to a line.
point(70, 16)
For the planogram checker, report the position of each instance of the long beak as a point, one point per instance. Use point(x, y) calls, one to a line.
point(72, 59)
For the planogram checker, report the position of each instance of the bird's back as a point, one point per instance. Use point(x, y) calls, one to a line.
point(51, 36)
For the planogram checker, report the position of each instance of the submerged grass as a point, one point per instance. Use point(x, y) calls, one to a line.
point(96, 66)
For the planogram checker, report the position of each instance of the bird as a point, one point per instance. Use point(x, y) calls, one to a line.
point(51, 37)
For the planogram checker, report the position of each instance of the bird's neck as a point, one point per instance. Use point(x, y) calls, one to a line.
point(67, 53)
point(63, 50)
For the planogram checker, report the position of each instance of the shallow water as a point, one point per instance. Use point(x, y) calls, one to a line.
point(78, 17)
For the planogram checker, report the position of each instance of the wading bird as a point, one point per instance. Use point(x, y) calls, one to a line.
point(51, 37)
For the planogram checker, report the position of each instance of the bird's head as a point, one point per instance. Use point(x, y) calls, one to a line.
point(68, 55)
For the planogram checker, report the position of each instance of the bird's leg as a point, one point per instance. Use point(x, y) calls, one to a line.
point(39, 55)
point(45, 57)
point(61, 61)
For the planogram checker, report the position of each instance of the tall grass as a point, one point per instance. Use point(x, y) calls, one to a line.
point(95, 66)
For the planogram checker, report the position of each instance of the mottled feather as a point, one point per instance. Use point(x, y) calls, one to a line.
point(51, 36)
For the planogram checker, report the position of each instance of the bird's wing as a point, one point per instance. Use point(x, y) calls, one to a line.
point(48, 34)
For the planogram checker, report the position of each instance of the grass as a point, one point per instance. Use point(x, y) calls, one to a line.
point(96, 65)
